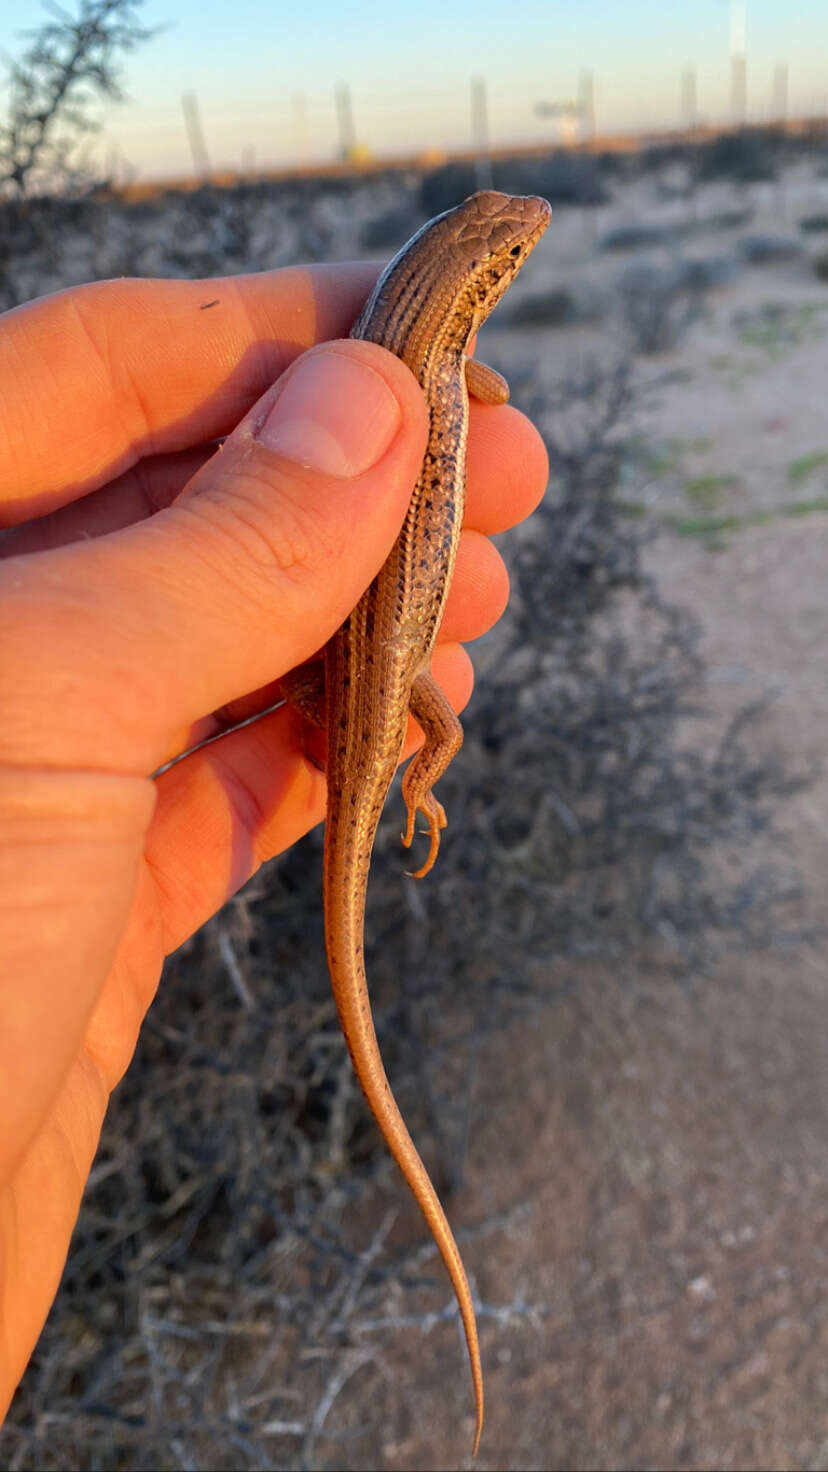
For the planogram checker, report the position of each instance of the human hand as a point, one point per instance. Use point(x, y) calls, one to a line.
point(152, 590)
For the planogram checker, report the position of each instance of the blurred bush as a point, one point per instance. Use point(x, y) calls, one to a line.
point(558, 307)
point(657, 304)
point(812, 224)
point(562, 178)
point(634, 237)
point(745, 157)
point(765, 250)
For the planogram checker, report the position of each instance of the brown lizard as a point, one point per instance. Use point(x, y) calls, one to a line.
point(425, 307)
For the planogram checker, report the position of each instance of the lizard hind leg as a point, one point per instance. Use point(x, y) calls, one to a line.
point(304, 691)
point(443, 739)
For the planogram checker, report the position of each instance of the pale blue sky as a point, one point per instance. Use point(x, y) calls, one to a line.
point(265, 72)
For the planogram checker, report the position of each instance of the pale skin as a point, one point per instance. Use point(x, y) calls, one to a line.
point(152, 591)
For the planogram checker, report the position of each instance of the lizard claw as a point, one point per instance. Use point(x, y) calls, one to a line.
point(435, 812)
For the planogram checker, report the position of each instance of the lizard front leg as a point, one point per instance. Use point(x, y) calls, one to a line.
point(443, 739)
point(485, 383)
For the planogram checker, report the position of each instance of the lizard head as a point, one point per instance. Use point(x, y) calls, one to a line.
point(445, 281)
point(489, 237)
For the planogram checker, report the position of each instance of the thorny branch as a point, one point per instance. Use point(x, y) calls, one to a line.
point(70, 61)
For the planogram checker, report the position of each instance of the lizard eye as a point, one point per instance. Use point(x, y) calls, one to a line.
point(515, 251)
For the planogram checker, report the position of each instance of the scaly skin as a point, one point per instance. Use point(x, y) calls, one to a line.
point(425, 308)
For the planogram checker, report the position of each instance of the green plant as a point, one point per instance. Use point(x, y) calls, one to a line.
point(807, 508)
point(805, 465)
point(706, 490)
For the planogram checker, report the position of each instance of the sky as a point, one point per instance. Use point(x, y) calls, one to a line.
point(265, 73)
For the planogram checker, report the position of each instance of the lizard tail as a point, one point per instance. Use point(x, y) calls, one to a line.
point(344, 918)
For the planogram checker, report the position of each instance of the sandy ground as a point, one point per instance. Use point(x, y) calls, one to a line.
point(657, 1292)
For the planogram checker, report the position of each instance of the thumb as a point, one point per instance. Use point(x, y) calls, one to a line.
point(140, 633)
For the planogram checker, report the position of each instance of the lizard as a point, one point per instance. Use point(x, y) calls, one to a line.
point(426, 307)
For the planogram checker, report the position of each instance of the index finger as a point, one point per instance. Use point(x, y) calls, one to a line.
point(96, 377)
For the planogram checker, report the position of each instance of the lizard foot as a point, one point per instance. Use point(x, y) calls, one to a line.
point(436, 814)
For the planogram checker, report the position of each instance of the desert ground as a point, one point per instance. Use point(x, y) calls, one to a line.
point(607, 1018)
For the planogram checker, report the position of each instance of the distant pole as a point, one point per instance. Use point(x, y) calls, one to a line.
point(480, 133)
point(198, 148)
point(690, 123)
point(738, 66)
point(300, 127)
point(779, 117)
point(586, 106)
point(738, 89)
point(345, 120)
point(738, 27)
point(780, 94)
point(689, 113)
point(112, 171)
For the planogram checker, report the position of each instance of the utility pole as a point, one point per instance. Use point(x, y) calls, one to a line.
point(689, 112)
point(738, 89)
point(780, 94)
point(480, 133)
point(198, 148)
point(779, 116)
point(690, 123)
point(300, 127)
point(738, 67)
point(345, 120)
point(586, 106)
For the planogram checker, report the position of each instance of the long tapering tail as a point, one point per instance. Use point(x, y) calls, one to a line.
point(344, 922)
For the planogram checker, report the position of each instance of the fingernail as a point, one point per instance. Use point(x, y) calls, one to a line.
point(335, 415)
